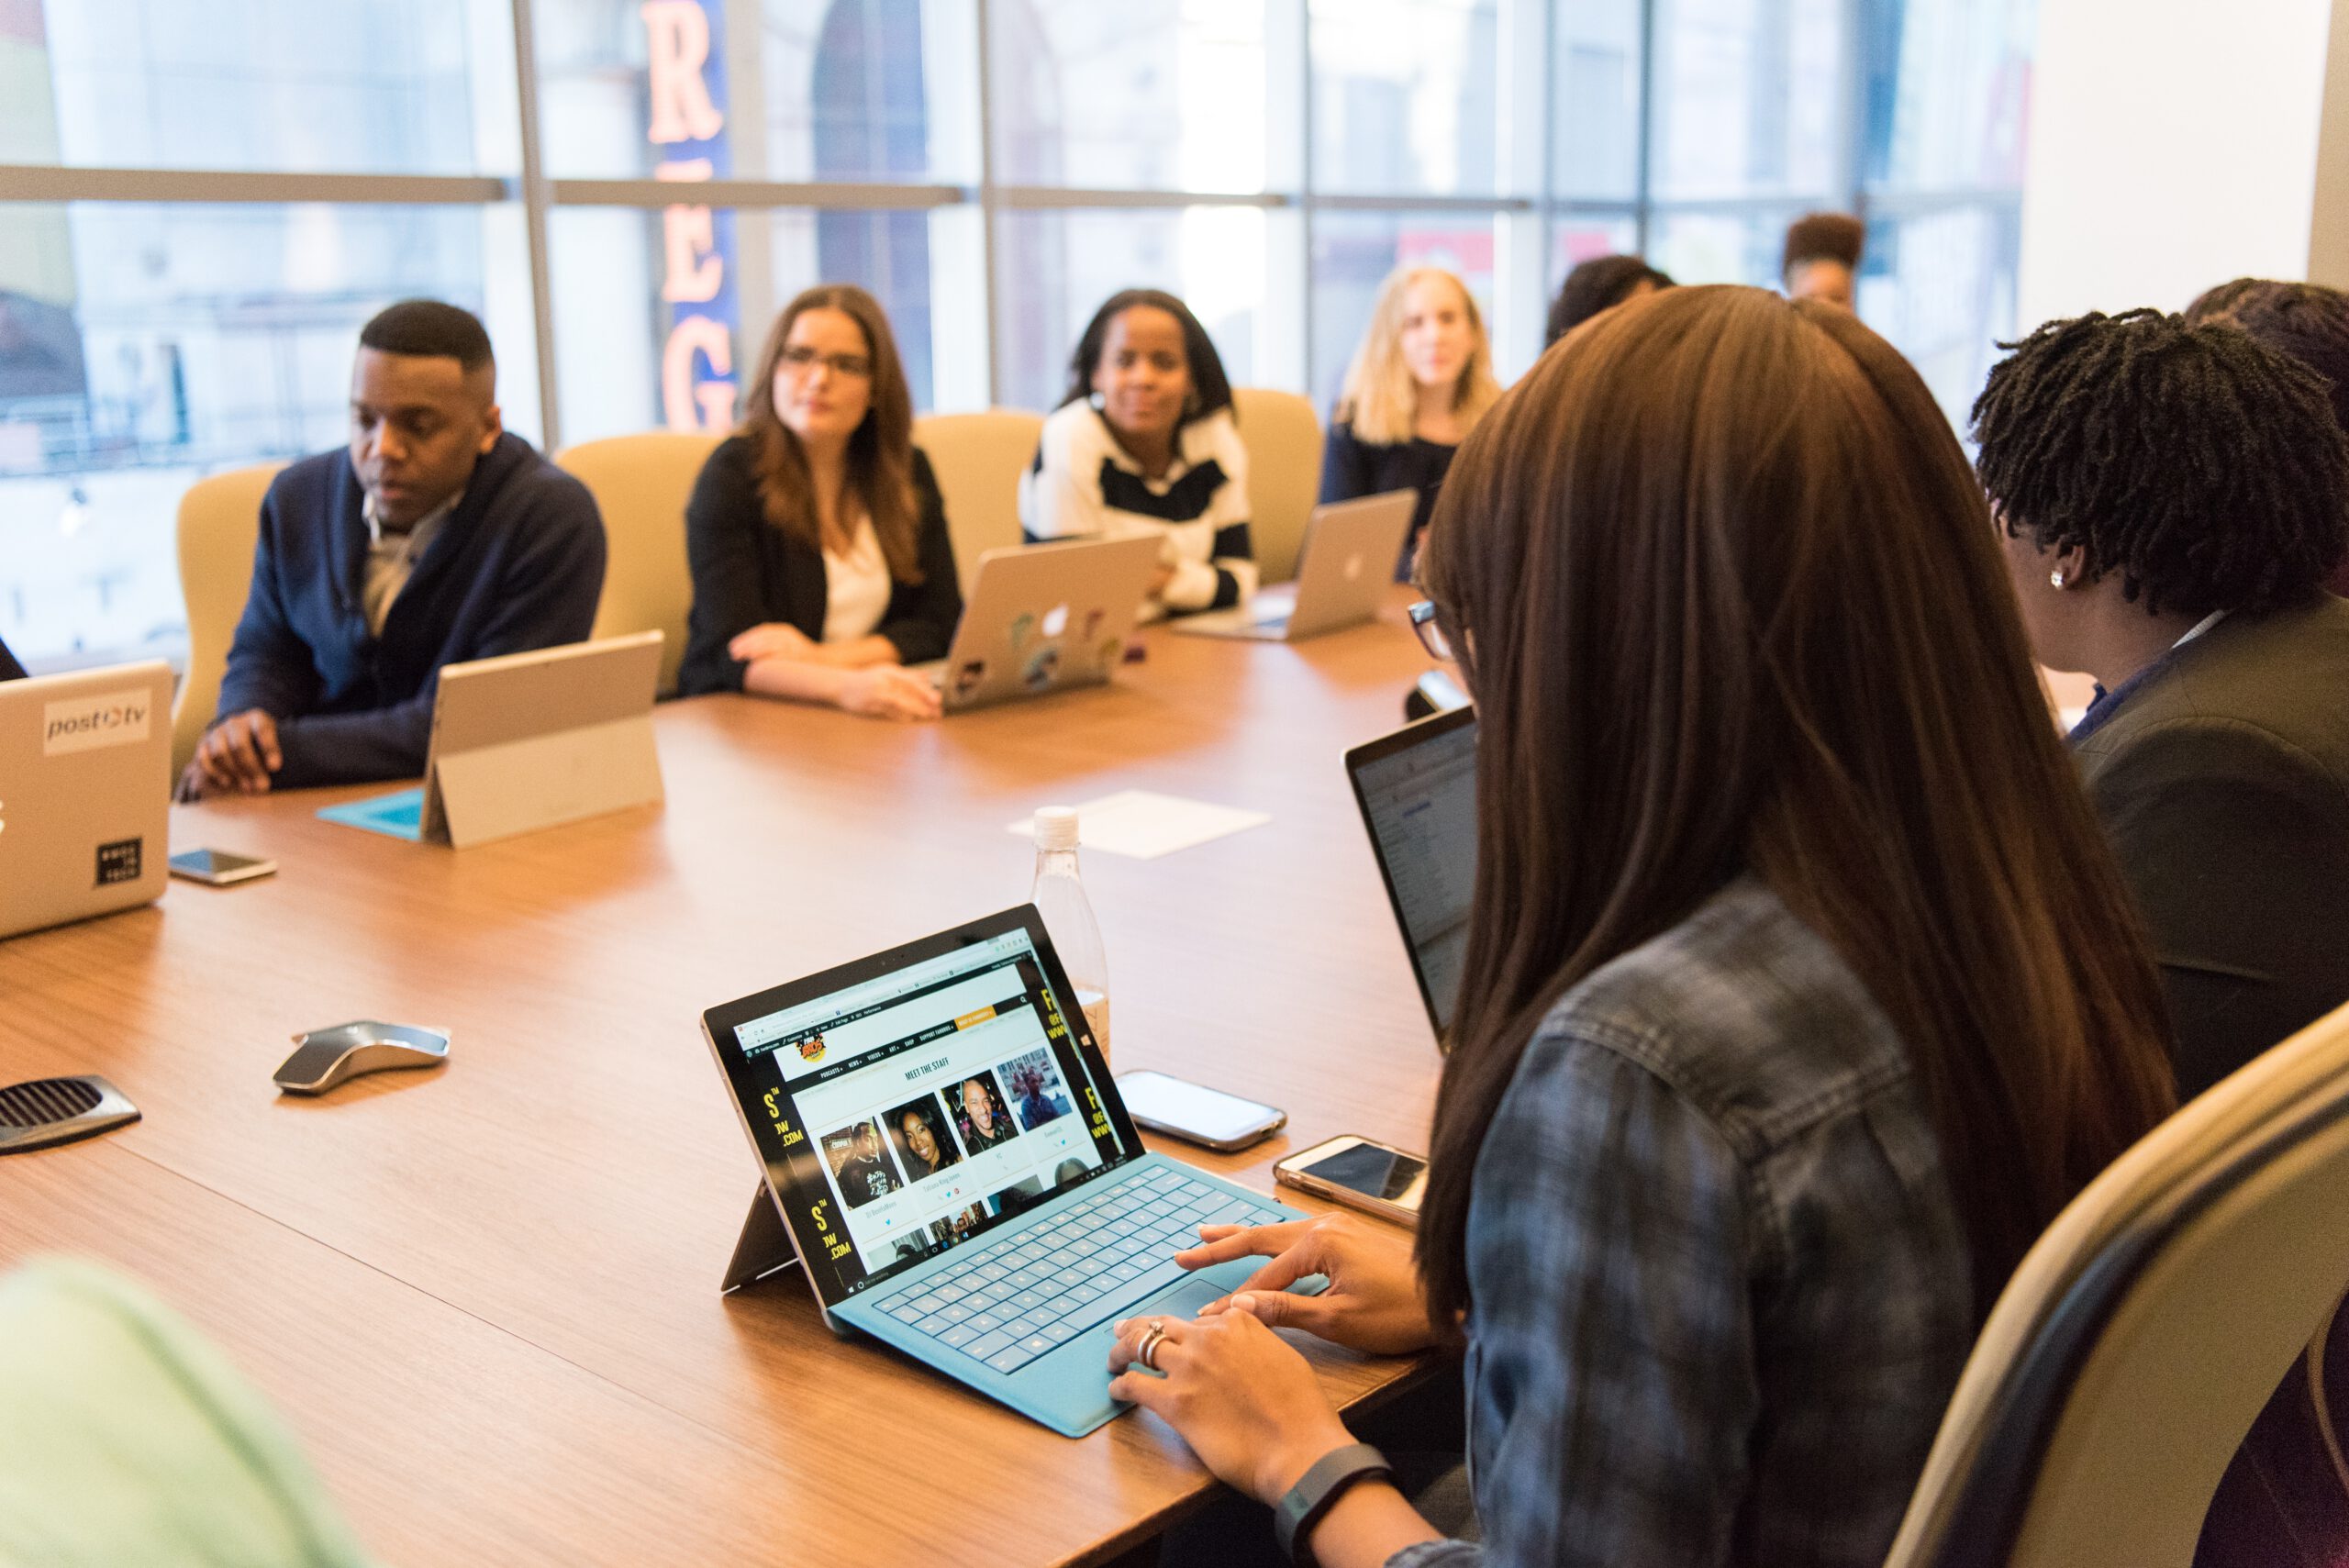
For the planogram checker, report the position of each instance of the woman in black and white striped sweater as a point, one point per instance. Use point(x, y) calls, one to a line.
point(1144, 443)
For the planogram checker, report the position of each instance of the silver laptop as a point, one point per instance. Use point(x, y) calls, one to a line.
point(528, 740)
point(1043, 618)
point(85, 791)
point(1343, 569)
point(1417, 789)
point(949, 1166)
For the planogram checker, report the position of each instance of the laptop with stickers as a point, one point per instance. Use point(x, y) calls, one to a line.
point(949, 1166)
point(85, 791)
point(1044, 618)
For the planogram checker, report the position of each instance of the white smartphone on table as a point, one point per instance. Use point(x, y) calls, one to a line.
point(218, 868)
point(1196, 1113)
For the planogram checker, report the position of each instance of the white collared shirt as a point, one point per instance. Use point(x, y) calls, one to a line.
point(392, 558)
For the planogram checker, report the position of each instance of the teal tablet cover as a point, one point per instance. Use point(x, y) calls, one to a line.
point(399, 814)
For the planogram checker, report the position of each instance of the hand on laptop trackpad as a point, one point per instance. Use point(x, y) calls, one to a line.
point(1184, 1301)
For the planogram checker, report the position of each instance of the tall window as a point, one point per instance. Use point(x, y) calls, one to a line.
point(1945, 98)
point(200, 204)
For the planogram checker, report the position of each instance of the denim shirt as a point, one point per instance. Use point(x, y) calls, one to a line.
point(1721, 1293)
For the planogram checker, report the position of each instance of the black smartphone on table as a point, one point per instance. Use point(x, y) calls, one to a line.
point(1375, 1178)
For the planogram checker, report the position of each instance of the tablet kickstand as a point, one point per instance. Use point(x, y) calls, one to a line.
point(764, 1249)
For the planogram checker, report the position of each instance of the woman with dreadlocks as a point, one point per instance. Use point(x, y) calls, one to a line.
point(2172, 496)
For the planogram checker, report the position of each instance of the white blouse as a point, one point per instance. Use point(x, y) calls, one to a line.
point(856, 587)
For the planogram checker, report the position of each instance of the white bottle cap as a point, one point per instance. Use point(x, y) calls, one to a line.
point(1057, 828)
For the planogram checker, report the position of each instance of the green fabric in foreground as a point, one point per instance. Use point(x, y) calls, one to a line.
point(127, 1440)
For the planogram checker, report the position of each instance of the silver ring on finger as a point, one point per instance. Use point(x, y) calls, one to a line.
point(1147, 1351)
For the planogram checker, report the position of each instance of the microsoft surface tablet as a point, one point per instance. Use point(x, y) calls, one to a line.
point(955, 1171)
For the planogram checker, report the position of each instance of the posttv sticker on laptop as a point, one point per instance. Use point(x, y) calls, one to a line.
point(88, 723)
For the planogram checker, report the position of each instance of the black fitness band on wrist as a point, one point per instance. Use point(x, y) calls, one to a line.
point(1331, 1475)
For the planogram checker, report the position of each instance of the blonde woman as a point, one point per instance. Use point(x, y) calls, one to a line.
point(1422, 378)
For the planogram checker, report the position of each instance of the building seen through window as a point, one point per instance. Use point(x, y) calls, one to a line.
point(1272, 160)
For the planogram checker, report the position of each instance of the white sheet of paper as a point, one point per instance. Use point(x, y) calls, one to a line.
point(1143, 825)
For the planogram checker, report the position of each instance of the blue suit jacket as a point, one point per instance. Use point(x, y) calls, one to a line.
point(518, 565)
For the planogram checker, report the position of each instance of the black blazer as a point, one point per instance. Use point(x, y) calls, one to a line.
point(1351, 469)
point(747, 573)
point(2223, 782)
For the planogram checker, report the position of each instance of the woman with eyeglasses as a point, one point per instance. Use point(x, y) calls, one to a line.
point(821, 564)
point(1143, 444)
point(1801, 990)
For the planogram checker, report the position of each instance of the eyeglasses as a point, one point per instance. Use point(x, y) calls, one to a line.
point(1426, 620)
point(800, 360)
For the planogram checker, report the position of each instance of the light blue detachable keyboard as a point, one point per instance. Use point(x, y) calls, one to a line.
point(1009, 1303)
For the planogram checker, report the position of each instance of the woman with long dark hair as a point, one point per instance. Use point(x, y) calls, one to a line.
point(821, 564)
point(1800, 991)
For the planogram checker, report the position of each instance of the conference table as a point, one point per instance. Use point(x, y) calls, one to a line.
point(486, 1295)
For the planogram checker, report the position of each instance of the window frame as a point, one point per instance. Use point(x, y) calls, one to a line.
point(1525, 207)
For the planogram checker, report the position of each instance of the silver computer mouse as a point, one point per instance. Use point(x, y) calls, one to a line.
point(325, 1058)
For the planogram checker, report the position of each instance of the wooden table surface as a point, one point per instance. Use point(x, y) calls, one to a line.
point(486, 1295)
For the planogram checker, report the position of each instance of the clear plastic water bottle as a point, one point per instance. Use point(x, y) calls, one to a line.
point(1059, 896)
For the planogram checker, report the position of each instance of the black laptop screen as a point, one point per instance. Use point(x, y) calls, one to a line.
point(904, 1111)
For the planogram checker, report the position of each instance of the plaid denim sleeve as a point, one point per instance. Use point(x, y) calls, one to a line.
point(1612, 1370)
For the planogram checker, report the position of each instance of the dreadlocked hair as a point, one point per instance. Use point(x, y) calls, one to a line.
point(2205, 468)
point(2307, 321)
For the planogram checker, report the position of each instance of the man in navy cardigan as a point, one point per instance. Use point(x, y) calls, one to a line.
point(434, 539)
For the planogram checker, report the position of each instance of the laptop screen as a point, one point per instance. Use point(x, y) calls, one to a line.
point(911, 1102)
point(1417, 792)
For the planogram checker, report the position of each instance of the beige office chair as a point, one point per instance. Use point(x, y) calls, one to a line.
point(641, 484)
point(1283, 436)
point(2128, 1357)
point(978, 459)
point(219, 524)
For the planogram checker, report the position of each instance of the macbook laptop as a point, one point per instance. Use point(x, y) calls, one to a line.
point(529, 741)
point(1344, 570)
point(85, 791)
point(949, 1165)
point(1417, 789)
point(1045, 617)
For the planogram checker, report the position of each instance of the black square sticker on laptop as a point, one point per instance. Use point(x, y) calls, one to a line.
point(119, 861)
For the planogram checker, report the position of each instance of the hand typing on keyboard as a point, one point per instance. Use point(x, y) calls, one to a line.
point(1017, 1299)
point(1373, 1302)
